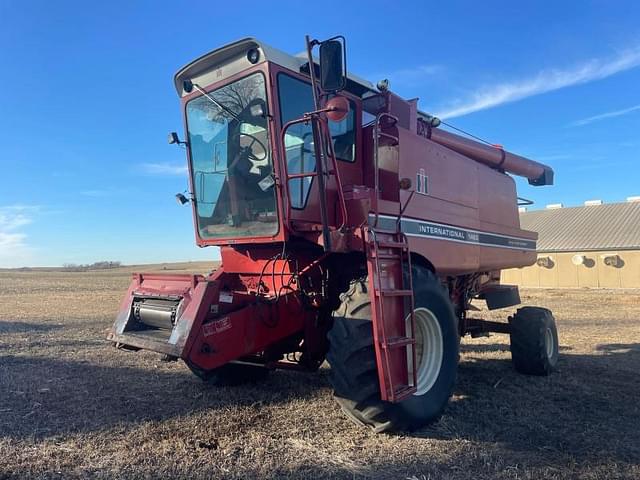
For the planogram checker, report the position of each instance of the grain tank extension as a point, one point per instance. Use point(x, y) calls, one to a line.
point(352, 229)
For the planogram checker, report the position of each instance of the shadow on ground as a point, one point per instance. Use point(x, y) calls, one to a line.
point(589, 407)
point(42, 396)
point(7, 326)
point(586, 410)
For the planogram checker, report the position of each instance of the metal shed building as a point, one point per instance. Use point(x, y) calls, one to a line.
point(595, 245)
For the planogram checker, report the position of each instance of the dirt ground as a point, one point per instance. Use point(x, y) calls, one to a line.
point(71, 406)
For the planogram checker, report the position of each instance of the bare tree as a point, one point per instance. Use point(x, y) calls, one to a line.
point(238, 95)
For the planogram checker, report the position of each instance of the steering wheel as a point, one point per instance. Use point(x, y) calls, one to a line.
point(254, 140)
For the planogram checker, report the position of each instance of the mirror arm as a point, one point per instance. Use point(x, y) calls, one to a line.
point(330, 108)
point(316, 113)
point(174, 139)
point(312, 73)
point(320, 146)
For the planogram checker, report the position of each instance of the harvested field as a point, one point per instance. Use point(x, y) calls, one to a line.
point(71, 406)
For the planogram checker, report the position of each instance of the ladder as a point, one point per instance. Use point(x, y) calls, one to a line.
point(391, 292)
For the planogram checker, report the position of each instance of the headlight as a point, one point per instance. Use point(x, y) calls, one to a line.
point(253, 55)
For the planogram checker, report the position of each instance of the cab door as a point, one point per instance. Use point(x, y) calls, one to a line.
point(295, 98)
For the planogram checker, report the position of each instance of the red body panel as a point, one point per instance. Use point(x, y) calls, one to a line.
point(462, 193)
point(246, 331)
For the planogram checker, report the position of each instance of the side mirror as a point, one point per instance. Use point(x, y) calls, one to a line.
point(333, 75)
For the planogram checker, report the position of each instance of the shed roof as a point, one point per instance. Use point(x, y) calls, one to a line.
point(613, 226)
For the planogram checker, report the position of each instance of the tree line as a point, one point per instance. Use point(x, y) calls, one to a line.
point(102, 265)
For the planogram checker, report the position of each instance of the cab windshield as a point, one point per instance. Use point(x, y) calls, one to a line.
point(230, 161)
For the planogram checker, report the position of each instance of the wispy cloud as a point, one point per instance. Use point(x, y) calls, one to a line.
point(602, 164)
point(553, 157)
point(542, 82)
point(105, 192)
point(603, 116)
point(410, 76)
point(14, 249)
point(63, 174)
point(13, 217)
point(163, 169)
point(96, 193)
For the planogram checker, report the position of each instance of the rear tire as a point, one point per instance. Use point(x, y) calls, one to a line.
point(534, 341)
point(354, 374)
point(231, 374)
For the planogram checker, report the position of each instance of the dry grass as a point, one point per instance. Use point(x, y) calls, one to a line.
point(71, 406)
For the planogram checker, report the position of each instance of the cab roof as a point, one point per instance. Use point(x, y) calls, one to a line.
point(236, 51)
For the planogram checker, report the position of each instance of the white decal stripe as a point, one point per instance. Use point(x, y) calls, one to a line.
point(467, 236)
point(415, 220)
point(495, 245)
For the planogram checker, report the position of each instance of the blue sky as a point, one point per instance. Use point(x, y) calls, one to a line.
point(87, 99)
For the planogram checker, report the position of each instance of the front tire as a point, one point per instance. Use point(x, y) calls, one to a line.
point(354, 374)
point(534, 341)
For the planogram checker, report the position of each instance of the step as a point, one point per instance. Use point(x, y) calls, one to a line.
point(403, 391)
point(396, 342)
point(387, 292)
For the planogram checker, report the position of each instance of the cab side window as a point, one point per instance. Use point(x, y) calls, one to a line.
point(343, 135)
point(296, 98)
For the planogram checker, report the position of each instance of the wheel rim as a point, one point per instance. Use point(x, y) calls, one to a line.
point(549, 342)
point(429, 349)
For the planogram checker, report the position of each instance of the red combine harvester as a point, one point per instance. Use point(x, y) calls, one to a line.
point(351, 229)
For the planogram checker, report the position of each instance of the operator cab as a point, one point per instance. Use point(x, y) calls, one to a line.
point(250, 169)
point(231, 166)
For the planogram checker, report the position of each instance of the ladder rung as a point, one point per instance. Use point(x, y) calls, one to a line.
point(395, 342)
point(388, 136)
point(385, 244)
point(293, 176)
point(388, 255)
point(384, 231)
point(387, 292)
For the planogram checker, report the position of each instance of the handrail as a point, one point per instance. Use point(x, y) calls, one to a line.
point(285, 169)
point(323, 132)
point(377, 134)
point(336, 172)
